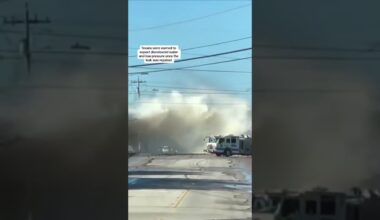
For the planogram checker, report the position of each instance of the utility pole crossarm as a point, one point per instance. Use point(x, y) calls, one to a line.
point(46, 21)
point(35, 20)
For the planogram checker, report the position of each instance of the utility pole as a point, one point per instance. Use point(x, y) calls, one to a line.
point(139, 94)
point(138, 85)
point(25, 43)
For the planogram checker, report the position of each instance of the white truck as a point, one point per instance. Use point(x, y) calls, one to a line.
point(233, 145)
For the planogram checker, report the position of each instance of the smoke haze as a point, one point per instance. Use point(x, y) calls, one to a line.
point(184, 121)
point(316, 121)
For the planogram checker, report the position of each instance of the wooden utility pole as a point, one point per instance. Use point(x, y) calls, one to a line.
point(25, 42)
point(138, 85)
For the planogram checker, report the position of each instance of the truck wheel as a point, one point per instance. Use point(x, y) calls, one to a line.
point(218, 155)
point(227, 152)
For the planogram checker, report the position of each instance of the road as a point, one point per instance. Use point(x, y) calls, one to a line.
point(189, 187)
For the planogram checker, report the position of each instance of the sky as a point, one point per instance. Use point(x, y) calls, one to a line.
point(223, 25)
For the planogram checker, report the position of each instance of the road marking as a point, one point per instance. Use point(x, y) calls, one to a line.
point(181, 198)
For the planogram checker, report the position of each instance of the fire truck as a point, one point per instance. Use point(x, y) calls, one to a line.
point(233, 145)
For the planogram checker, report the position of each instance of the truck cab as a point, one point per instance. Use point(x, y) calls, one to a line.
point(211, 143)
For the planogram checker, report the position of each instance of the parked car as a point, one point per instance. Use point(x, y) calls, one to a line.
point(165, 149)
point(168, 150)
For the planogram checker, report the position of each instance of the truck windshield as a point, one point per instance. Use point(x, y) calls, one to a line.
point(212, 139)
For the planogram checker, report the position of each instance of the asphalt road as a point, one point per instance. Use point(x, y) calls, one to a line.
point(189, 187)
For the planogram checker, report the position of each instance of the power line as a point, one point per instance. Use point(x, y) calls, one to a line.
point(189, 20)
point(107, 53)
point(190, 103)
point(192, 88)
point(102, 53)
point(263, 57)
point(186, 67)
point(124, 88)
point(194, 93)
point(143, 66)
point(87, 36)
point(201, 70)
point(219, 43)
point(316, 90)
point(328, 58)
point(171, 85)
point(9, 58)
point(285, 91)
point(63, 87)
point(89, 23)
point(166, 83)
point(202, 54)
point(333, 49)
point(196, 58)
point(8, 51)
point(196, 54)
point(207, 93)
point(66, 35)
point(203, 46)
point(269, 46)
point(269, 57)
point(284, 47)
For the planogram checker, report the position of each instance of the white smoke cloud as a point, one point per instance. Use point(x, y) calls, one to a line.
point(185, 120)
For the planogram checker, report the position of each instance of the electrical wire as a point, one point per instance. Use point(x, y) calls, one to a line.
point(66, 35)
point(308, 48)
point(101, 53)
point(186, 67)
point(328, 58)
point(314, 90)
point(201, 70)
point(215, 44)
point(195, 58)
point(192, 88)
point(198, 93)
point(188, 20)
point(189, 103)
point(203, 46)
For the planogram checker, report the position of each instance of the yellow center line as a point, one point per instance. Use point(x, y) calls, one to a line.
point(181, 198)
